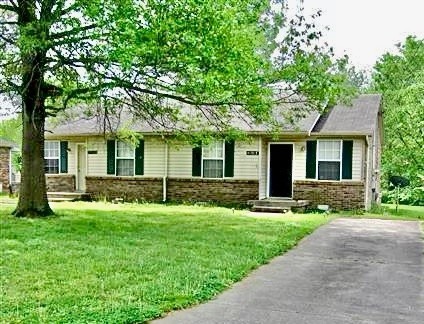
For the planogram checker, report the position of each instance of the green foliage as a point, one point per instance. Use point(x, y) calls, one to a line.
point(11, 129)
point(400, 77)
point(148, 56)
point(17, 161)
point(63, 269)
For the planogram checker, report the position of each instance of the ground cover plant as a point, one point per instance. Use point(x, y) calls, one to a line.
point(128, 263)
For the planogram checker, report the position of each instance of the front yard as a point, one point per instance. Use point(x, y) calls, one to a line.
point(104, 263)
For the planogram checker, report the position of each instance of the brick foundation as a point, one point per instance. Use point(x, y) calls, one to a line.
point(220, 190)
point(60, 182)
point(339, 195)
point(4, 167)
point(128, 188)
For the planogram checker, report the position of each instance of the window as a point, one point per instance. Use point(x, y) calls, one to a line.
point(329, 160)
point(125, 155)
point(213, 160)
point(51, 157)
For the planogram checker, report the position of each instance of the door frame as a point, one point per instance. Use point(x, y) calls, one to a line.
point(77, 146)
point(268, 182)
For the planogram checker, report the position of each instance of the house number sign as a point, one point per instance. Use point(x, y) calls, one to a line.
point(252, 152)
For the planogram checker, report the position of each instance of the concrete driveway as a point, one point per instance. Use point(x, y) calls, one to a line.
point(349, 271)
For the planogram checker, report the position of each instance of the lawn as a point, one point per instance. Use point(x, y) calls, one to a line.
point(404, 212)
point(105, 263)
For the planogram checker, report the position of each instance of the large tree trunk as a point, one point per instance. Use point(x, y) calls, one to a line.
point(33, 194)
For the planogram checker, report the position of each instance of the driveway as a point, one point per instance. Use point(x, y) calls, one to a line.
point(349, 271)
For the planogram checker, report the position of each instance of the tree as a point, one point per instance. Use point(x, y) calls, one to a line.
point(213, 55)
point(400, 77)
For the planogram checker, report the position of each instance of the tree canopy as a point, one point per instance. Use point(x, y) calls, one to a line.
point(218, 56)
point(400, 77)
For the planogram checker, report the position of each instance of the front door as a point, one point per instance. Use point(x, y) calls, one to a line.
point(280, 170)
point(81, 167)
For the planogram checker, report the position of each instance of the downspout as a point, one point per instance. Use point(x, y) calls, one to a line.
point(165, 176)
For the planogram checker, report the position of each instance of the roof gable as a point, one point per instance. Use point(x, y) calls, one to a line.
point(359, 117)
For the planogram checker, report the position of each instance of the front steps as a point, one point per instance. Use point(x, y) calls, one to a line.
point(277, 205)
point(68, 196)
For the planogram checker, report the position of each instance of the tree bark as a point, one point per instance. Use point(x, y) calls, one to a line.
point(33, 194)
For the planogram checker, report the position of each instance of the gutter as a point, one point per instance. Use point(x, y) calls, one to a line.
point(341, 133)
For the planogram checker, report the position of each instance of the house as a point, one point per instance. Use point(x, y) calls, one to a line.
point(331, 159)
point(5, 164)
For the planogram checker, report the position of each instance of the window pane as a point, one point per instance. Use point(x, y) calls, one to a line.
point(328, 170)
point(51, 149)
point(213, 150)
point(124, 167)
point(124, 150)
point(213, 169)
point(329, 150)
point(51, 165)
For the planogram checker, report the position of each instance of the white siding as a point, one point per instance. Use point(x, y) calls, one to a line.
point(299, 161)
point(179, 161)
point(357, 159)
point(246, 166)
point(264, 170)
point(72, 155)
point(154, 157)
point(97, 163)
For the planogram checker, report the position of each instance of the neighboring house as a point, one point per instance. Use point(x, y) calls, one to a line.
point(5, 164)
point(332, 159)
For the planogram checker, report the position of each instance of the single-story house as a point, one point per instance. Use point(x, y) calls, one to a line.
point(329, 159)
point(5, 164)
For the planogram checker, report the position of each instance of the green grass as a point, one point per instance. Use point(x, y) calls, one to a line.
point(104, 263)
point(404, 212)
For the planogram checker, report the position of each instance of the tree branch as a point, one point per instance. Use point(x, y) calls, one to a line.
point(72, 31)
point(9, 8)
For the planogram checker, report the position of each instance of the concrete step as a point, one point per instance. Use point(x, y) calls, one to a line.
point(270, 209)
point(60, 199)
point(277, 205)
point(285, 203)
point(68, 196)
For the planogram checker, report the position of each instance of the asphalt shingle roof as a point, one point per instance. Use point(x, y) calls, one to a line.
point(360, 117)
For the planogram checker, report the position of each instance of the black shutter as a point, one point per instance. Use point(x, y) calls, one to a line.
point(64, 157)
point(139, 158)
point(347, 159)
point(311, 159)
point(229, 158)
point(110, 157)
point(196, 163)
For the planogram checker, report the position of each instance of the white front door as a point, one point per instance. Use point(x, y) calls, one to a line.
point(81, 167)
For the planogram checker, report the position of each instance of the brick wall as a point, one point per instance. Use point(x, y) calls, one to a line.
point(60, 182)
point(221, 190)
point(4, 167)
point(128, 188)
point(339, 195)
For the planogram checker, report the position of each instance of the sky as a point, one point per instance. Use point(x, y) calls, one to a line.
point(366, 29)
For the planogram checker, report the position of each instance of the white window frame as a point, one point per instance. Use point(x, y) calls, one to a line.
point(340, 159)
point(53, 158)
point(123, 158)
point(214, 158)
